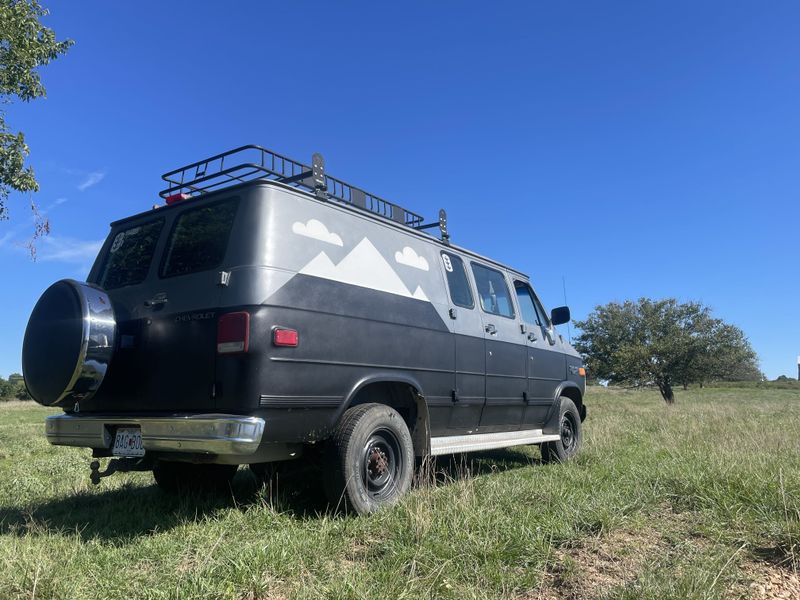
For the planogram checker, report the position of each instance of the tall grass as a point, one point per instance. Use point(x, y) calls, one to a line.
point(695, 500)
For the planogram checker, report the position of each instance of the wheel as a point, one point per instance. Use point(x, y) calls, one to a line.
point(571, 434)
point(369, 461)
point(178, 477)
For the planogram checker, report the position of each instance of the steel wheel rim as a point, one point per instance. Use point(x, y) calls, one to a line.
point(568, 433)
point(382, 460)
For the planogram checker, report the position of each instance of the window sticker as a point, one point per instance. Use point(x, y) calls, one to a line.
point(448, 265)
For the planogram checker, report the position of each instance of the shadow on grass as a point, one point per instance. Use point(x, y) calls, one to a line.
point(132, 510)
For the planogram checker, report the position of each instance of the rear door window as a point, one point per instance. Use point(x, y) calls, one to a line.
point(460, 292)
point(493, 291)
point(130, 254)
point(199, 238)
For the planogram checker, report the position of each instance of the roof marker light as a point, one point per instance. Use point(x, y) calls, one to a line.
point(176, 198)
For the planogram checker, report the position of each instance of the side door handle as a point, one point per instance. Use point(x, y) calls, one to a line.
point(491, 329)
point(532, 336)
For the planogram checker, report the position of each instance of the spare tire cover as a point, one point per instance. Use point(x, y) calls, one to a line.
point(68, 343)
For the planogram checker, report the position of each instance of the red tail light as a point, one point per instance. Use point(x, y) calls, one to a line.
point(176, 198)
point(285, 337)
point(233, 333)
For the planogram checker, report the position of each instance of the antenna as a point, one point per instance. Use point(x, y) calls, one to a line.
point(569, 329)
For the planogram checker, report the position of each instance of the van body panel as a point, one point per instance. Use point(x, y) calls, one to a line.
point(367, 296)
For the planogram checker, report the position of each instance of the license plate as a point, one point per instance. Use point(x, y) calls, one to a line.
point(128, 442)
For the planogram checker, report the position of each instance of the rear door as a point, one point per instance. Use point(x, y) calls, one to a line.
point(167, 323)
point(506, 353)
point(470, 348)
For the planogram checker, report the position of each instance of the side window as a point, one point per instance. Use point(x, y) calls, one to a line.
point(532, 311)
point(199, 239)
point(129, 257)
point(525, 300)
point(493, 291)
point(544, 319)
point(460, 292)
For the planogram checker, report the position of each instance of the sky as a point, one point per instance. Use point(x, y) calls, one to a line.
point(611, 150)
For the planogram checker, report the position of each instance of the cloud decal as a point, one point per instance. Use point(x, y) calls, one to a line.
point(318, 231)
point(410, 258)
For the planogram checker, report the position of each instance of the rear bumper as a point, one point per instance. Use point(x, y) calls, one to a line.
point(206, 434)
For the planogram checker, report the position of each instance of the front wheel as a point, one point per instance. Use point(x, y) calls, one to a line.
point(370, 459)
point(569, 444)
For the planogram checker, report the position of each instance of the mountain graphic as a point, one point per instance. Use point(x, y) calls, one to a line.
point(365, 267)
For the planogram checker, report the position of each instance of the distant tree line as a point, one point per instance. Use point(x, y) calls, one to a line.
point(664, 343)
point(13, 388)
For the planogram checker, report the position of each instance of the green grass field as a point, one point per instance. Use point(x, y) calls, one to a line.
point(699, 500)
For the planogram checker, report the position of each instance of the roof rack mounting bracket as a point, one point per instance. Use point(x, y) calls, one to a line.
point(319, 182)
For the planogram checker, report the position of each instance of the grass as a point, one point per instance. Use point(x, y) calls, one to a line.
point(699, 500)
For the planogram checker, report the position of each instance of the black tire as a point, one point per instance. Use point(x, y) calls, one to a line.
point(369, 462)
point(180, 477)
point(569, 445)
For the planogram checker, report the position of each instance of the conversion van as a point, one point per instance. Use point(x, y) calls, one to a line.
point(267, 308)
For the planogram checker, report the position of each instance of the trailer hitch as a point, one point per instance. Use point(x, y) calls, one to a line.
point(119, 465)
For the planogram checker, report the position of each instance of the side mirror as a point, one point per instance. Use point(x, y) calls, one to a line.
point(560, 315)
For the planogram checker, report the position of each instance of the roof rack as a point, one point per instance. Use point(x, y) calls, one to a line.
point(251, 162)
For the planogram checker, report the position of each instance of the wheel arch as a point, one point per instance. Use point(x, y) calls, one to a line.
point(567, 389)
point(401, 392)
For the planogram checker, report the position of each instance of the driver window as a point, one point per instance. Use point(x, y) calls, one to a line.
point(526, 306)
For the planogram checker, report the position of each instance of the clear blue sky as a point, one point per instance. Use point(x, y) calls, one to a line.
point(633, 148)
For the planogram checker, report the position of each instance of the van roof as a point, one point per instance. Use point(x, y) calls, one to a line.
point(249, 165)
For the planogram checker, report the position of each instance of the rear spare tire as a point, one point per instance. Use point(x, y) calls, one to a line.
point(68, 343)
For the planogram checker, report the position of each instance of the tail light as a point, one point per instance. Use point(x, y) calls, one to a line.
point(233, 333)
point(285, 337)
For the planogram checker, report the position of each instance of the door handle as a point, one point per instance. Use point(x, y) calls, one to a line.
point(491, 329)
point(532, 337)
point(157, 300)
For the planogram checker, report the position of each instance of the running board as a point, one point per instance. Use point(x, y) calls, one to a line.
point(453, 444)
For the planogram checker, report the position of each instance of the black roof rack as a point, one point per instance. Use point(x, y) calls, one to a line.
point(251, 162)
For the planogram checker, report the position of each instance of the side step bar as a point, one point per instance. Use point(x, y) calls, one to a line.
point(454, 444)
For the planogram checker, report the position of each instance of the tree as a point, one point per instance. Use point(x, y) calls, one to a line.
point(25, 45)
point(7, 390)
point(663, 343)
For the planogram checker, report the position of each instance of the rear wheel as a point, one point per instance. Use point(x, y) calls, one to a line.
point(571, 435)
point(370, 459)
point(176, 477)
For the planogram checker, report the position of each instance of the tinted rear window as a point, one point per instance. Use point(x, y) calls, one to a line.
point(130, 255)
point(199, 239)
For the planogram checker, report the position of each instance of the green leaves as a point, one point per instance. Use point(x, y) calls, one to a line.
point(25, 45)
point(663, 343)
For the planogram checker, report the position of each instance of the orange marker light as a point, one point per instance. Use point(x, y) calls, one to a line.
point(582, 372)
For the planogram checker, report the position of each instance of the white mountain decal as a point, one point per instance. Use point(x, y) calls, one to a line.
point(365, 267)
point(420, 295)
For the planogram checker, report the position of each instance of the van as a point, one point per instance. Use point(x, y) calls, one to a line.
point(267, 308)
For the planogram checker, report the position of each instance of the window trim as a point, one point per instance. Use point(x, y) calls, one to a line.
point(513, 316)
point(99, 280)
point(174, 226)
point(466, 278)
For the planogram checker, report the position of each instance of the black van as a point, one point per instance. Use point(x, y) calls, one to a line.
point(266, 307)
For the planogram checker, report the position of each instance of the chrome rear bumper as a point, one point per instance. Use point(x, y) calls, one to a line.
point(206, 434)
